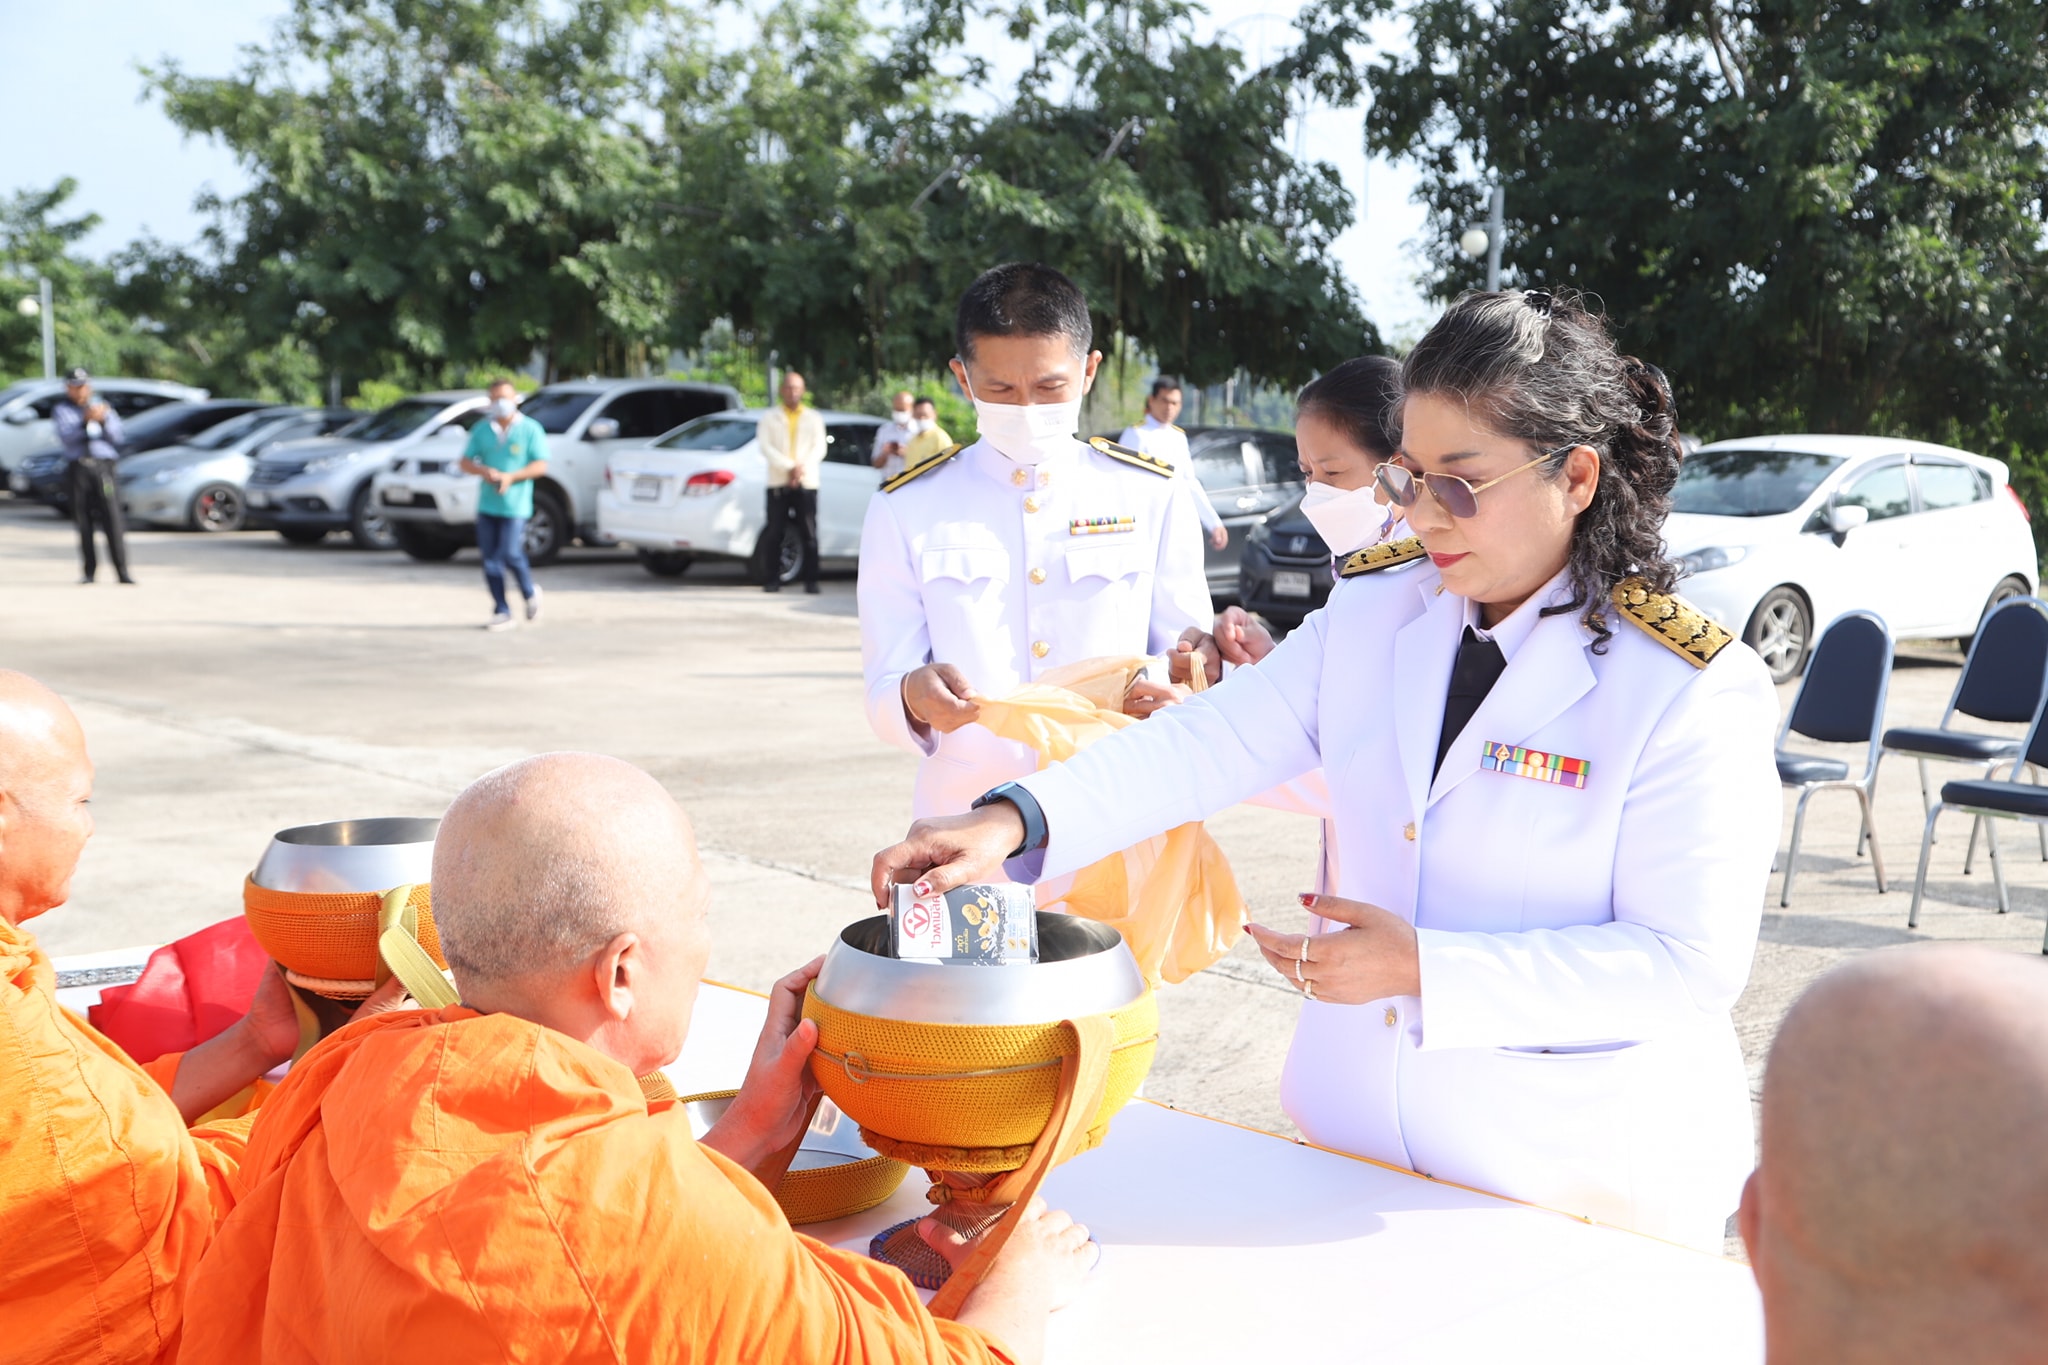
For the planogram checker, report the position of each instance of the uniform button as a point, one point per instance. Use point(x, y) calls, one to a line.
point(1392, 1018)
point(1038, 575)
point(1408, 831)
point(1019, 477)
point(1031, 504)
point(1044, 477)
point(1040, 648)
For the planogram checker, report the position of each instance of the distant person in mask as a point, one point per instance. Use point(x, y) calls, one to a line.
point(984, 567)
point(508, 452)
point(1156, 435)
point(927, 437)
point(893, 436)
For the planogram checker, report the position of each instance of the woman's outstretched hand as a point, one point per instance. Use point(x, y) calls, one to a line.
point(949, 851)
point(1372, 958)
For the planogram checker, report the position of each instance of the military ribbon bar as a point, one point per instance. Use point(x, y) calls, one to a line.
point(1097, 526)
point(1517, 761)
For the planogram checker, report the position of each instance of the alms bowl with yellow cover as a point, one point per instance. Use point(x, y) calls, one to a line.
point(316, 901)
point(987, 1076)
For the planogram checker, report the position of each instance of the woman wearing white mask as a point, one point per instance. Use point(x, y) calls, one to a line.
point(985, 566)
point(1552, 786)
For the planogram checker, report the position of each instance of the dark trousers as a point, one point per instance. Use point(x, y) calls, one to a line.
point(96, 505)
point(502, 543)
point(791, 510)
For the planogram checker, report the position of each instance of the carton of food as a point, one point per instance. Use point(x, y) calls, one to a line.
point(987, 924)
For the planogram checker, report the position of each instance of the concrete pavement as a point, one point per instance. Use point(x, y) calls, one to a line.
point(246, 685)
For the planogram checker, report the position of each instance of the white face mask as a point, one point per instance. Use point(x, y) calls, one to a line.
point(503, 408)
point(1346, 519)
point(903, 417)
point(1028, 434)
point(922, 424)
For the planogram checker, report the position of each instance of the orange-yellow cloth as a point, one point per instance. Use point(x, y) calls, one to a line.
point(1172, 896)
point(445, 1185)
point(106, 1201)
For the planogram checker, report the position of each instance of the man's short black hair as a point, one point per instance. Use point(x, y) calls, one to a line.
point(923, 401)
point(1022, 298)
point(1165, 384)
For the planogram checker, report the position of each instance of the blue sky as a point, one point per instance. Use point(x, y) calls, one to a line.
point(75, 99)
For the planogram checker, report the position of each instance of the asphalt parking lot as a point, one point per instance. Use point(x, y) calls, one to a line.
point(246, 685)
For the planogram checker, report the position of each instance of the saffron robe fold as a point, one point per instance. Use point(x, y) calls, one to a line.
point(106, 1200)
point(445, 1184)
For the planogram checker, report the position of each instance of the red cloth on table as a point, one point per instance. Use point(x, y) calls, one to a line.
point(189, 991)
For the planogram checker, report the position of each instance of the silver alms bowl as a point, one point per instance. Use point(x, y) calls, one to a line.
point(346, 856)
point(1083, 968)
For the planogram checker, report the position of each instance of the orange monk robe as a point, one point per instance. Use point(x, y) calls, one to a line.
point(445, 1185)
point(106, 1201)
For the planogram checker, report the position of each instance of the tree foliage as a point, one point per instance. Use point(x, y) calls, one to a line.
point(1817, 213)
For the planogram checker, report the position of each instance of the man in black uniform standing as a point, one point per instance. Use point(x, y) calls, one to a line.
point(90, 432)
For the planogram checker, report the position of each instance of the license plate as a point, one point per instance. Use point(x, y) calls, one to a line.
point(398, 495)
point(1290, 585)
point(647, 488)
point(259, 499)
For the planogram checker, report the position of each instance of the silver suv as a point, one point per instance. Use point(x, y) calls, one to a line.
point(431, 504)
point(304, 489)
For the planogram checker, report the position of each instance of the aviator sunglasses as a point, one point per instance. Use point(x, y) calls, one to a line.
point(1400, 485)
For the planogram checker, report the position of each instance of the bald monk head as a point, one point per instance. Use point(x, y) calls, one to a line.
point(1900, 1208)
point(567, 891)
point(45, 783)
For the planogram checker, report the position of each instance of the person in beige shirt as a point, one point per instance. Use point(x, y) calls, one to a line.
point(792, 440)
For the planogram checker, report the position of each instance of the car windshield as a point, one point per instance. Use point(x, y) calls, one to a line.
point(16, 390)
point(235, 428)
point(555, 409)
point(144, 426)
point(399, 420)
point(710, 433)
point(1749, 483)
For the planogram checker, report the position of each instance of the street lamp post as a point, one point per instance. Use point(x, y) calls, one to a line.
point(49, 327)
point(1487, 240)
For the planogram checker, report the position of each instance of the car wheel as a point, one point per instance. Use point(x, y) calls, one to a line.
point(665, 563)
point(302, 535)
point(788, 571)
point(423, 545)
point(218, 507)
point(1780, 631)
point(2007, 589)
point(547, 530)
point(368, 527)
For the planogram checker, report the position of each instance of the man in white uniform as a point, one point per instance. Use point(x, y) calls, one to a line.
point(983, 567)
point(895, 434)
point(1157, 436)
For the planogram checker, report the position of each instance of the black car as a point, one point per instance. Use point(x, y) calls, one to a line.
point(1248, 473)
point(1284, 573)
point(42, 476)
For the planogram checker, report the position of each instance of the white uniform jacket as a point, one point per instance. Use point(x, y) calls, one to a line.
point(1005, 571)
point(1580, 948)
point(1169, 443)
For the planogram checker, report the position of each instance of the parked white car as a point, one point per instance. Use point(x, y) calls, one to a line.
point(25, 411)
point(431, 504)
point(1780, 533)
point(702, 490)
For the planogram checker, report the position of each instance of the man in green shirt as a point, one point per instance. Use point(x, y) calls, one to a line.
point(508, 452)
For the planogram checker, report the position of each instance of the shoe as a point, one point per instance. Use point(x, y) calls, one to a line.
point(771, 587)
point(811, 588)
point(533, 606)
point(499, 621)
point(127, 580)
point(83, 579)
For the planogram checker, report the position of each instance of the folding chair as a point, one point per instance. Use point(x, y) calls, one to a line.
point(1840, 701)
point(2002, 680)
point(1989, 801)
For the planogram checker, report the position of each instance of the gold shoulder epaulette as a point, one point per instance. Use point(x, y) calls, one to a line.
point(1376, 557)
point(1151, 464)
point(921, 467)
point(1672, 622)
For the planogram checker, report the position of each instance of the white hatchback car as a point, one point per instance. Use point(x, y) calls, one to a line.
point(1778, 534)
point(702, 490)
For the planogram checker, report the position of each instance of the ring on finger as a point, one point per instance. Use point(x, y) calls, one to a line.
point(1308, 989)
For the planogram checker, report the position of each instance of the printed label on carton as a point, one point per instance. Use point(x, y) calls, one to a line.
point(988, 924)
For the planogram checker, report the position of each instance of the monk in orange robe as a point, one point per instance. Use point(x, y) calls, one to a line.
point(486, 1182)
point(106, 1200)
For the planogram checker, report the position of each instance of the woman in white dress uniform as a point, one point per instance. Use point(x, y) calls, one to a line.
point(1553, 792)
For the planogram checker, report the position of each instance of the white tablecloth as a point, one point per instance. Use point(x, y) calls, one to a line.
point(1223, 1243)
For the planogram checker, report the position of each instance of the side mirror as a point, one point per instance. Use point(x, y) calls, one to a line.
point(603, 429)
point(21, 416)
point(1846, 518)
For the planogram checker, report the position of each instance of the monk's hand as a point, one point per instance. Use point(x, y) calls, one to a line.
point(939, 697)
point(1372, 958)
point(272, 1024)
point(948, 851)
point(774, 1101)
point(1144, 698)
point(386, 998)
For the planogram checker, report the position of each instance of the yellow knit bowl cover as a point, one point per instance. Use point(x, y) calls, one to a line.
point(329, 936)
point(911, 1082)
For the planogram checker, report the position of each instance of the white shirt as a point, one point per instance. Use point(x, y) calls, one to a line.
point(895, 433)
point(1006, 571)
point(1164, 441)
point(1580, 948)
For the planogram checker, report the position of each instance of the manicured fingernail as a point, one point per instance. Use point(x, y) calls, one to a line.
point(1246, 927)
point(1308, 900)
point(922, 888)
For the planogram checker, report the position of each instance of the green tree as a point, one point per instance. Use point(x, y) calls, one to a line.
point(1818, 213)
point(37, 238)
